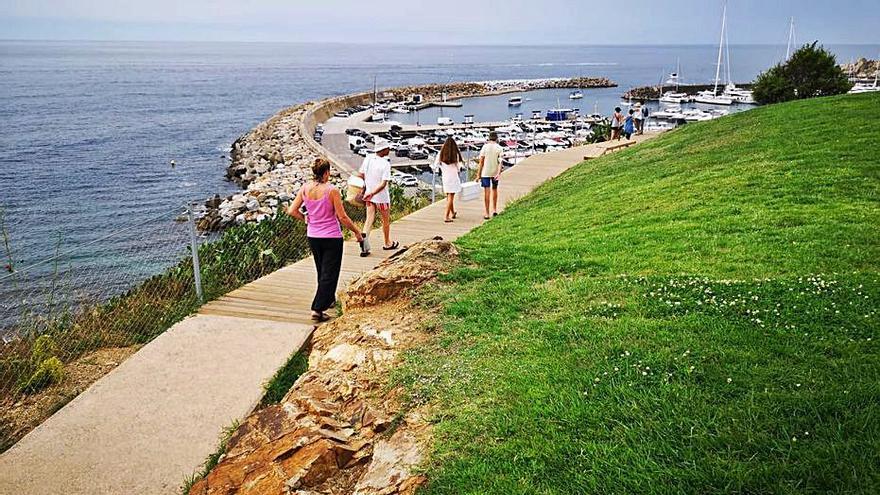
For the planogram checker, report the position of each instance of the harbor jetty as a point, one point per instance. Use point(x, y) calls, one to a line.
point(653, 93)
point(862, 69)
point(272, 161)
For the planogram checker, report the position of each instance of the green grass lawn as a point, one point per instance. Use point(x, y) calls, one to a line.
point(697, 314)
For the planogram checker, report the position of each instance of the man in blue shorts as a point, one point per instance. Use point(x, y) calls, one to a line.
point(489, 171)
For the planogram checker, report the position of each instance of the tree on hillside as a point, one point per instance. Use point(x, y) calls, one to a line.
point(810, 72)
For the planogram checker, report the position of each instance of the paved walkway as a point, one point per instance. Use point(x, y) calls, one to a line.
point(148, 424)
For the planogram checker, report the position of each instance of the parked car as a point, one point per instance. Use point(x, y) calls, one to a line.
point(409, 181)
point(402, 152)
point(418, 153)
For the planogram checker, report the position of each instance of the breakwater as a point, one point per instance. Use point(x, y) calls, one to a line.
point(273, 160)
point(647, 93)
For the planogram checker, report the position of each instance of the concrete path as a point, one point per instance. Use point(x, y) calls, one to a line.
point(150, 423)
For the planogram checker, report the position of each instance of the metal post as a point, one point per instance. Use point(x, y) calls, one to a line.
point(194, 245)
point(433, 185)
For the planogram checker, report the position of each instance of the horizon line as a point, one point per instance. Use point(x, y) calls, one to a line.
point(402, 43)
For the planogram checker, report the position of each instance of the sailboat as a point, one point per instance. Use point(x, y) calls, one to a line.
point(674, 97)
point(712, 97)
point(738, 95)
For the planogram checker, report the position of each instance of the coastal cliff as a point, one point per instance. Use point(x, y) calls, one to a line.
point(272, 161)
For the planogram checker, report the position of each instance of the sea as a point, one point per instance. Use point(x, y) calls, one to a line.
point(90, 128)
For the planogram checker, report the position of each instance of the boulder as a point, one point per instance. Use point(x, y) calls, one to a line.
point(410, 267)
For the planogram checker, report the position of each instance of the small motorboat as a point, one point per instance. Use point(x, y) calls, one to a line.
point(515, 101)
point(576, 95)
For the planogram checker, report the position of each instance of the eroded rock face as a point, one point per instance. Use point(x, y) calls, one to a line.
point(409, 268)
point(338, 430)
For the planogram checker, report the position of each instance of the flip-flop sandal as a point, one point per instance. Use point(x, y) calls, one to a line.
point(485, 217)
point(495, 214)
point(447, 221)
point(454, 215)
point(394, 245)
point(364, 254)
point(320, 318)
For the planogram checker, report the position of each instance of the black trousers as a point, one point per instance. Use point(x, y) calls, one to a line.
point(328, 260)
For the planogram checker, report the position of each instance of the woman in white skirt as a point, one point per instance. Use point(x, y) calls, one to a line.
point(449, 161)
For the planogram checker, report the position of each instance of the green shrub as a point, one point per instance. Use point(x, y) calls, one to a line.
point(48, 372)
point(811, 71)
point(44, 348)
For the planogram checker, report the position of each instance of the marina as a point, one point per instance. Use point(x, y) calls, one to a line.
point(529, 123)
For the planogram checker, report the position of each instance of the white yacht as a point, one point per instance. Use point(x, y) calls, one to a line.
point(862, 87)
point(515, 101)
point(576, 95)
point(673, 112)
point(738, 95)
point(675, 97)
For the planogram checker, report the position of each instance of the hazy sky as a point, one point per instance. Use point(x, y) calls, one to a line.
point(441, 21)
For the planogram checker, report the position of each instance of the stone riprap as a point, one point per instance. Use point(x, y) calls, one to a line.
point(862, 68)
point(272, 161)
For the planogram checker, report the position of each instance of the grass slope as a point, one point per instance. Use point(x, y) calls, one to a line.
point(697, 314)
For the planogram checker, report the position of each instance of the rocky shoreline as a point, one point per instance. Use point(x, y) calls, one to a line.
point(273, 160)
point(862, 68)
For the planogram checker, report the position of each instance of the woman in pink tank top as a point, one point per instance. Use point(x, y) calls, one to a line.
point(324, 212)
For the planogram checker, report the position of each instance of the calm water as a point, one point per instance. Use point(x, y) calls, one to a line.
point(89, 128)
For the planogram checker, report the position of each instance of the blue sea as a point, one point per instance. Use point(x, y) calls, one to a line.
point(89, 128)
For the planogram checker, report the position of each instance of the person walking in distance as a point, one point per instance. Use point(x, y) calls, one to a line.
point(629, 125)
point(449, 162)
point(639, 118)
point(376, 172)
point(644, 111)
point(489, 172)
point(324, 212)
point(616, 123)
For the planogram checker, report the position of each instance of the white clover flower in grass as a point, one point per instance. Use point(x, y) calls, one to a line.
point(729, 379)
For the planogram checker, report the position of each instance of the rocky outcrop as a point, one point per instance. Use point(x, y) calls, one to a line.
point(407, 269)
point(339, 430)
point(862, 69)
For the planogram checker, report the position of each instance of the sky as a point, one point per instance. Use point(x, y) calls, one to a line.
point(446, 22)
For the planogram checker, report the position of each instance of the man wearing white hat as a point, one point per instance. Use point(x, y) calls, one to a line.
point(376, 172)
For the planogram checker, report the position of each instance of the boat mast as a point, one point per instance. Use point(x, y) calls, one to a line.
point(720, 48)
point(727, 52)
point(677, 73)
point(791, 39)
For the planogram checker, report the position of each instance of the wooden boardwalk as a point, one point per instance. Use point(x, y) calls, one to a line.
point(286, 294)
